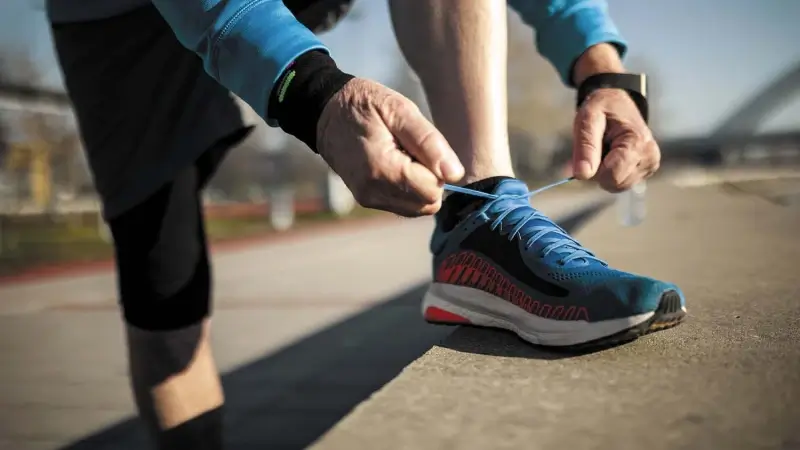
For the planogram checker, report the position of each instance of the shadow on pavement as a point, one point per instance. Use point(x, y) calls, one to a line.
point(290, 398)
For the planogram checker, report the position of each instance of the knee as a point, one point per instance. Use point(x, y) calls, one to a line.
point(163, 270)
point(165, 292)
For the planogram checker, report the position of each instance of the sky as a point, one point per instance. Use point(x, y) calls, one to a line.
point(708, 55)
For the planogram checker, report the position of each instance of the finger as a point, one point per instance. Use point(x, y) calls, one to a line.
point(621, 163)
point(422, 140)
point(422, 185)
point(588, 131)
point(407, 189)
point(405, 207)
point(416, 210)
point(632, 179)
point(651, 159)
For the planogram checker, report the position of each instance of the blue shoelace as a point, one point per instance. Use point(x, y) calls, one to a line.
point(556, 238)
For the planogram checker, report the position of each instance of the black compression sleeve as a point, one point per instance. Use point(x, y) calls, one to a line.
point(301, 93)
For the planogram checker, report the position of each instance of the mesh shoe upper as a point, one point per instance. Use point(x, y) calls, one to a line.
point(508, 248)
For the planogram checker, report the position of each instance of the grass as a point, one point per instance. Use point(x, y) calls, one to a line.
point(29, 242)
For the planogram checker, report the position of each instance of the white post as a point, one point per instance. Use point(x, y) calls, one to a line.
point(338, 198)
point(102, 227)
point(281, 208)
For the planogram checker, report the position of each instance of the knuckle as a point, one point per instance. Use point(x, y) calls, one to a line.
point(655, 167)
point(432, 208)
point(426, 139)
point(397, 108)
point(618, 178)
point(586, 114)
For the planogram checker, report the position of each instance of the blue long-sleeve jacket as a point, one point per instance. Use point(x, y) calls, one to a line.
point(566, 28)
point(246, 44)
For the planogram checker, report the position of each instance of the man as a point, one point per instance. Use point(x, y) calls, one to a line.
point(156, 121)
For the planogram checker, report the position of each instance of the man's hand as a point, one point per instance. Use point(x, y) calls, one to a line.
point(610, 115)
point(385, 150)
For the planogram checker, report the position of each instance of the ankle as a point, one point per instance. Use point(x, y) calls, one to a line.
point(477, 173)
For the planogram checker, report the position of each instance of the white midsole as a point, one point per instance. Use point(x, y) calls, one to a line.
point(484, 309)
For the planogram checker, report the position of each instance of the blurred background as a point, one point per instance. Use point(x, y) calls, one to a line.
point(306, 329)
point(722, 86)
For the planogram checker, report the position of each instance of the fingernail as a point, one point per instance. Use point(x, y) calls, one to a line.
point(583, 169)
point(451, 170)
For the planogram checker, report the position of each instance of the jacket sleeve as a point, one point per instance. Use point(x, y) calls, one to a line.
point(244, 44)
point(566, 28)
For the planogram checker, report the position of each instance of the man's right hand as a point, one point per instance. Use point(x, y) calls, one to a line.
point(389, 156)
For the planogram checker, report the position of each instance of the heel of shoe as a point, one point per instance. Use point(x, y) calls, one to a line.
point(438, 311)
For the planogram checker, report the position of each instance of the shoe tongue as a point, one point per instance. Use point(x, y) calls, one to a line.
point(511, 186)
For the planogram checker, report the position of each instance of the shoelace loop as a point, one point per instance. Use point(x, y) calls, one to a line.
point(563, 244)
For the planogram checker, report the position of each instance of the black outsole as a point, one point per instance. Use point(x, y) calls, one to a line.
point(668, 314)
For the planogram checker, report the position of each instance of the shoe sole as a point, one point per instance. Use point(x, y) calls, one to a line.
point(457, 305)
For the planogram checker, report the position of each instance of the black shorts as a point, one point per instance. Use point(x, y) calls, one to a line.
point(155, 128)
point(146, 109)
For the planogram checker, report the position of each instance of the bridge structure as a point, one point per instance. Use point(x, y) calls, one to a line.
point(736, 136)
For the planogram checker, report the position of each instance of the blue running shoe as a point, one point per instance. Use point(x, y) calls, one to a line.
point(498, 262)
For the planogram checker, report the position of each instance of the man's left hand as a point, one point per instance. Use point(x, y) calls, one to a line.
point(610, 115)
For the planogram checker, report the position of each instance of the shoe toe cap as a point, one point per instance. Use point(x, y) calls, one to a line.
point(638, 295)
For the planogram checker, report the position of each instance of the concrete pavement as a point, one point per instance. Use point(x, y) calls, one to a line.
point(729, 378)
point(304, 331)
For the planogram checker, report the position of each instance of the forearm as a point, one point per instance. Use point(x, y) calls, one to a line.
point(568, 34)
point(601, 58)
point(245, 44)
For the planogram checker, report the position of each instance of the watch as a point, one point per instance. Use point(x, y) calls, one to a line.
point(635, 84)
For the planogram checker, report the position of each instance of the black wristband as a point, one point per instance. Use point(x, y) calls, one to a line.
point(634, 84)
point(301, 93)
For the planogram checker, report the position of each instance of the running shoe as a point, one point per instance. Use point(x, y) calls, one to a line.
point(499, 262)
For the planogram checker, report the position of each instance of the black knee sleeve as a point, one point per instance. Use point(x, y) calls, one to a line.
point(162, 258)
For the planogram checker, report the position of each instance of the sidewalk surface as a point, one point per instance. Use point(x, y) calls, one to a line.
point(729, 378)
point(304, 331)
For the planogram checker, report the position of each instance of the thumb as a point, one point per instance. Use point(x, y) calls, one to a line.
point(423, 141)
point(588, 132)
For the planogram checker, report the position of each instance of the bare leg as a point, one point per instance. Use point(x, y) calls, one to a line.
point(165, 291)
point(458, 48)
point(175, 383)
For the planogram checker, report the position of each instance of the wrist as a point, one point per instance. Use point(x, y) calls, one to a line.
point(301, 93)
point(600, 58)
